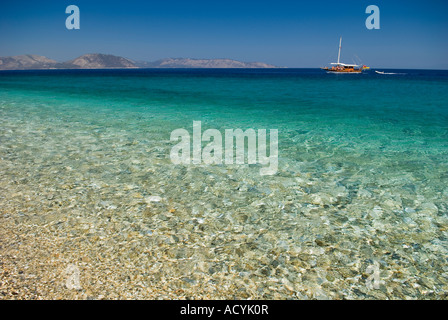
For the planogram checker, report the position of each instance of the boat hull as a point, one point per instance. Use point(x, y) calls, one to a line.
point(339, 72)
point(350, 71)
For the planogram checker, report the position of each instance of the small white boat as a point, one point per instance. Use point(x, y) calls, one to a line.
point(382, 72)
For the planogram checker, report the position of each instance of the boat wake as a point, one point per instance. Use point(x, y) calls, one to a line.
point(382, 72)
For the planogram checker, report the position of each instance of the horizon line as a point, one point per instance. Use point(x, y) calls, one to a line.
point(233, 59)
point(202, 68)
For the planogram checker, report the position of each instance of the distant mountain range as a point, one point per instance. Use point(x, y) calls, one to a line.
point(201, 63)
point(107, 61)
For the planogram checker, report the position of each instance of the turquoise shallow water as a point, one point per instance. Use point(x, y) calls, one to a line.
point(362, 179)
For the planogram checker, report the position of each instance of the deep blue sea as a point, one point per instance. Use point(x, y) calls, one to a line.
point(361, 185)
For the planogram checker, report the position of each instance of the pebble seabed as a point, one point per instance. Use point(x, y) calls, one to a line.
point(92, 212)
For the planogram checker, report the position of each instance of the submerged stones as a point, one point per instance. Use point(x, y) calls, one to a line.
point(429, 209)
point(153, 199)
point(131, 225)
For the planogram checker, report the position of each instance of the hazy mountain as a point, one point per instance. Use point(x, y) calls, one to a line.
point(98, 61)
point(202, 63)
point(106, 61)
point(29, 61)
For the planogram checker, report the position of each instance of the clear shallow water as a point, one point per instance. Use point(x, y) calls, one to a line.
point(362, 180)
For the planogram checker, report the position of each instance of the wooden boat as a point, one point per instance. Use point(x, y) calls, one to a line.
point(344, 68)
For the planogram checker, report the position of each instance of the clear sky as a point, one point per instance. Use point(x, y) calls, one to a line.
point(413, 34)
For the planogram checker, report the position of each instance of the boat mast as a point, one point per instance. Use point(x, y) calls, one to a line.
point(339, 54)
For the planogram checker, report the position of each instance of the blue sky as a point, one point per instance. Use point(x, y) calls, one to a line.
point(296, 33)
